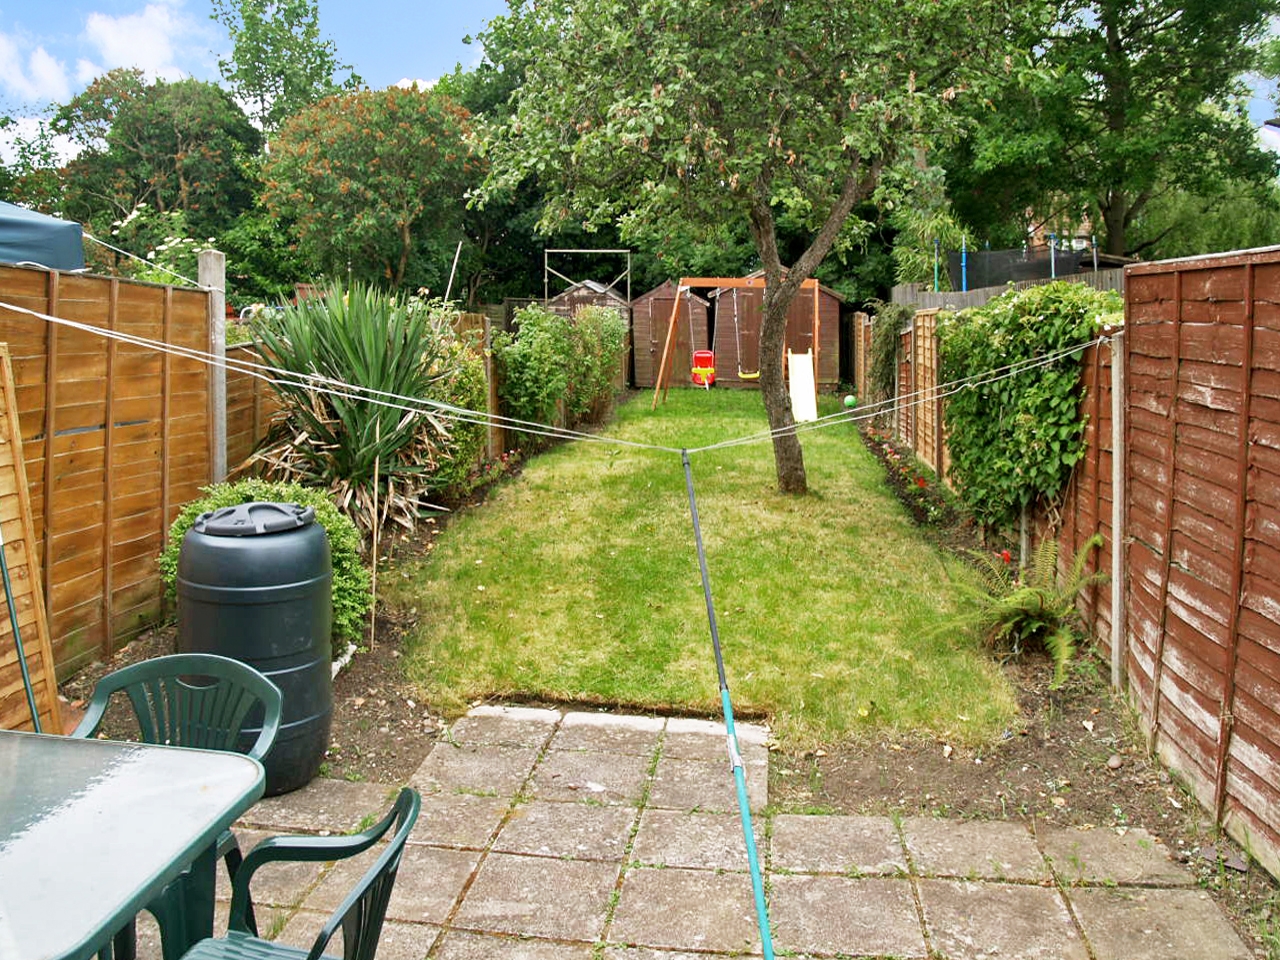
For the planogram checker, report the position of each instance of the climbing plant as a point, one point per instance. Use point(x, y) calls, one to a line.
point(890, 319)
point(1015, 439)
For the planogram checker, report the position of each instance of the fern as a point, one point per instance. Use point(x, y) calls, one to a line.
point(1015, 610)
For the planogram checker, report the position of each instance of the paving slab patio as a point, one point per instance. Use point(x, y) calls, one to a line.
point(559, 834)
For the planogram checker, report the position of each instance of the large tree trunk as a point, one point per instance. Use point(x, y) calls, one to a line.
point(1115, 222)
point(788, 457)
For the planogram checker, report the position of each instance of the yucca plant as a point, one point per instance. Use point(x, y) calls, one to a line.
point(1015, 609)
point(340, 438)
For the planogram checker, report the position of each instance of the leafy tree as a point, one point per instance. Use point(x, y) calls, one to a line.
point(87, 117)
point(375, 182)
point(1238, 216)
point(32, 179)
point(657, 112)
point(263, 264)
point(174, 146)
point(1138, 97)
point(278, 63)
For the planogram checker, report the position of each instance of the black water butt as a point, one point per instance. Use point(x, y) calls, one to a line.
point(255, 584)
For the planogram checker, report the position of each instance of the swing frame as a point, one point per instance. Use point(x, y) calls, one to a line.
point(662, 383)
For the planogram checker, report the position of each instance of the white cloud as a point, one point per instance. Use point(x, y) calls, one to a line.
point(41, 78)
point(147, 40)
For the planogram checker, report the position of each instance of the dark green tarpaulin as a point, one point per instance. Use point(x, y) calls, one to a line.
point(30, 237)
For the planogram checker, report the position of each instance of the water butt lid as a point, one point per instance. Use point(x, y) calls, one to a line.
point(254, 519)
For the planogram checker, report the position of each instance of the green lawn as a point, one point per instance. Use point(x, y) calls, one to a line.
point(578, 581)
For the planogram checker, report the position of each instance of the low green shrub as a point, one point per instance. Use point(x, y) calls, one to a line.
point(534, 364)
point(351, 591)
point(598, 338)
point(552, 363)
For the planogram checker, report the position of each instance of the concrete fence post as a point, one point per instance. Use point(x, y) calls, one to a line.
point(213, 277)
point(1118, 573)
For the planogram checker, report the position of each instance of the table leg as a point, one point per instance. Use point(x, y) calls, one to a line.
point(185, 909)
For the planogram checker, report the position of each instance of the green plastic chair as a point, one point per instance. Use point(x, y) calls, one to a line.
point(189, 700)
point(359, 916)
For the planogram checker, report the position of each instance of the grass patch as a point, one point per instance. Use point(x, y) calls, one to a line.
point(579, 581)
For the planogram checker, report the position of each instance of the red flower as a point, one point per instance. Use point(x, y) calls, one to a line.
point(921, 482)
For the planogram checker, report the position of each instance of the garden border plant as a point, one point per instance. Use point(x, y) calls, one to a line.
point(554, 368)
point(351, 592)
point(375, 458)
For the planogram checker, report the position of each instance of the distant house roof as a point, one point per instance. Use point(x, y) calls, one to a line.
point(589, 286)
point(30, 237)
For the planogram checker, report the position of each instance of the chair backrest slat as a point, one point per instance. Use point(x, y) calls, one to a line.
point(192, 700)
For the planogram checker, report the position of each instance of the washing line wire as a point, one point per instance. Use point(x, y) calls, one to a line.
point(731, 735)
point(150, 263)
point(424, 406)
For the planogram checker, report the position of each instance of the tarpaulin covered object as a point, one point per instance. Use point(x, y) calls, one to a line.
point(30, 237)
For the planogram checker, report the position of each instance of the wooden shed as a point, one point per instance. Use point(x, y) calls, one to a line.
point(650, 317)
point(736, 332)
point(588, 293)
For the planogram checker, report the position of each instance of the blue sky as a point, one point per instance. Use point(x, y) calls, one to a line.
point(50, 49)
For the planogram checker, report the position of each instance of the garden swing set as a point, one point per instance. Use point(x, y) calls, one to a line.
point(703, 371)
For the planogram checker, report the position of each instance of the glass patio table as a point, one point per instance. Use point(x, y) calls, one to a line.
point(92, 830)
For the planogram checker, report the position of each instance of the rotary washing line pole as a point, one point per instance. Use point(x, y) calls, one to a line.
point(735, 758)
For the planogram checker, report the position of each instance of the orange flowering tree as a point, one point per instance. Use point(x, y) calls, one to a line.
point(374, 184)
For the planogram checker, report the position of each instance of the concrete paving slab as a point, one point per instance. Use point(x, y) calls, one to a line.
point(459, 819)
point(1155, 925)
point(839, 915)
point(398, 941)
point(647, 953)
point(975, 850)
point(686, 910)
point(858, 846)
point(333, 806)
point(459, 945)
point(485, 770)
point(1104, 856)
point(428, 883)
point(492, 726)
point(612, 778)
point(690, 739)
point(704, 841)
point(981, 921)
point(539, 897)
point(555, 829)
point(607, 733)
point(706, 785)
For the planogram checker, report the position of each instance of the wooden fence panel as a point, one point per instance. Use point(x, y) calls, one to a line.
point(116, 439)
point(251, 403)
point(1204, 503)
